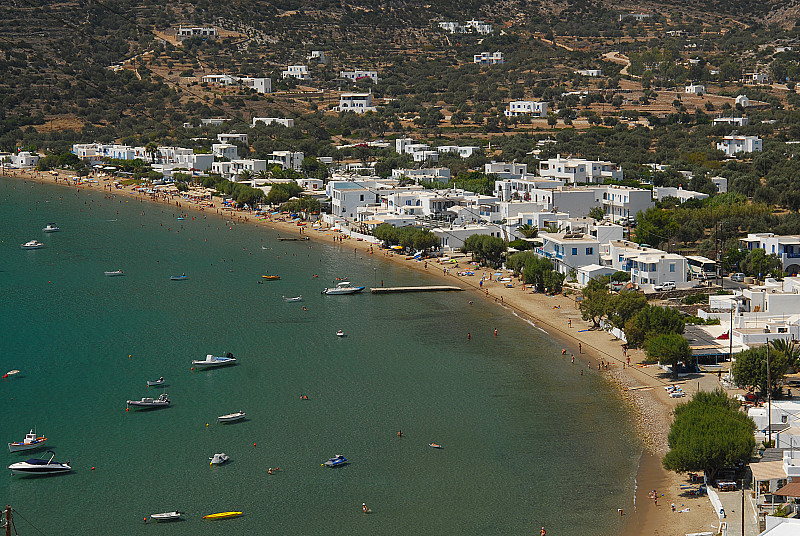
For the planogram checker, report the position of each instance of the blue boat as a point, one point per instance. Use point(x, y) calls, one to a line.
point(182, 277)
point(336, 461)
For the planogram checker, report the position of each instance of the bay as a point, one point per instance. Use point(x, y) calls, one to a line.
point(527, 440)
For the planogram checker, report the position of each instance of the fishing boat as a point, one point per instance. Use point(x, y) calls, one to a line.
point(219, 458)
point(182, 277)
point(343, 287)
point(336, 461)
point(50, 228)
point(38, 466)
point(31, 441)
point(114, 273)
point(340, 333)
point(166, 516)
point(223, 515)
point(148, 402)
point(156, 383)
point(32, 244)
point(271, 277)
point(295, 299)
point(231, 417)
point(11, 373)
point(435, 445)
point(212, 361)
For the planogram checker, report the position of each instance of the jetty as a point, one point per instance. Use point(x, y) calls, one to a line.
point(292, 238)
point(432, 288)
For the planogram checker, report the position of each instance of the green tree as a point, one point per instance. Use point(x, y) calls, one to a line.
point(624, 306)
point(709, 433)
point(668, 349)
point(790, 349)
point(486, 248)
point(652, 320)
point(750, 369)
point(282, 192)
point(758, 264)
point(655, 226)
point(596, 302)
point(597, 213)
point(539, 273)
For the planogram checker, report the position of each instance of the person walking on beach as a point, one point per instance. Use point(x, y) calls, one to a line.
point(580, 348)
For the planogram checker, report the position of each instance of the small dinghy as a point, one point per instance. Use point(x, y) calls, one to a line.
point(435, 445)
point(340, 333)
point(231, 417)
point(11, 373)
point(166, 516)
point(156, 383)
point(115, 273)
point(295, 299)
point(182, 277)
point(219, 459)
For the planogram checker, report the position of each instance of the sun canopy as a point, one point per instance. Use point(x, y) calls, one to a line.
point(767, 471)
point(791, 489)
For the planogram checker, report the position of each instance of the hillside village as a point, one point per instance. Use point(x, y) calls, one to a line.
point(651, 154)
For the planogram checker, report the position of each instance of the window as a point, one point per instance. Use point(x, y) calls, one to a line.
point(574, 251)
point(672, 267)
point(361, 197)
point(590, 251)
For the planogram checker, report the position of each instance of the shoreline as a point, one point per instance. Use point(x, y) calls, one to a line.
point(640, 386)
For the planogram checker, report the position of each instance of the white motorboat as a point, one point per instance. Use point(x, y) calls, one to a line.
point(156, 383)
point(148, 402)
point(343, 287)
point(31, 441)
point(336, 461)
point(166, 516)
point(340, 333)
point(231, 417)
point(32, 244)
point(50, 228)
point(295, 299)
point(212, 361)
point(182, 277)
point(36, 466)
point(11, 373)
point(219, 458)
point(114, 273)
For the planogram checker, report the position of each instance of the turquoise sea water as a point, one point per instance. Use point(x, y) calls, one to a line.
point(527, 440)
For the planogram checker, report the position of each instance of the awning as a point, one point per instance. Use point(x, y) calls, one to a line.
point(791, 489)
point(767, 471)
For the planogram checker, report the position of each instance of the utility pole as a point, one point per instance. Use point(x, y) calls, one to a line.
point(742, 506)
point(769, 401)
point(8, 520)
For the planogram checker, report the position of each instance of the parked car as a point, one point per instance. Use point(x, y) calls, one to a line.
point(738, 277)
point(666, 285)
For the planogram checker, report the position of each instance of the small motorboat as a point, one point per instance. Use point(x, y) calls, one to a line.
point(50, 228)
point(231, 417)
point(340, 333)
point(181, 218)
point(336, 461)
point(147, 402)
point(182, 277)
point(344, 287)
point(435, 445)
point(295, 299)
point(223, 515)
point(166, 516)
point(114, 273)
point(31, 441)
point(37, 466)
point(271, 277)
point(32, 244)
point(212, 361)
point(11, 373)
point(156, 383)
point(219, 458)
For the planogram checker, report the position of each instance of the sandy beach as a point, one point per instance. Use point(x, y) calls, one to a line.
point(641, 386)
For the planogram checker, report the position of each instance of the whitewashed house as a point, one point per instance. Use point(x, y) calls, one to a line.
point(356, 102)
point(357, 75)
point(479, 27)
point(733, 121)
point(756, 78)
point(579, 170)
point(463, 151)
point(489, 58)
point(300, 72)
point(785, 247)
point(453, 237)
point(732, 145)
point(646, 265)
point(219, 79)
point(225, 150)
point(695, 89)
point(661, 192)
point(594, 73)
point(526, 108)
point(183, 33)
point(288, 123)
point(505, 170)
point(24, 159)
point(231, 137)
point(318, 56)
point(569, 251)
point(287, 160)
point(742, 100)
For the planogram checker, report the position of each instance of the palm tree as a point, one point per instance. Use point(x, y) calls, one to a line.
point(528, 231)
point(151, 149)
point(788, 348)
point(244, 175)
point(263, 174)
point(552, 228)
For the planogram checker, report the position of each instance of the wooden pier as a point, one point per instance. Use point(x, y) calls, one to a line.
point(433, 288)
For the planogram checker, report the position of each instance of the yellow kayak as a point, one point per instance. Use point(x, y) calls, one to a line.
point(222, 515)
point(271, 276)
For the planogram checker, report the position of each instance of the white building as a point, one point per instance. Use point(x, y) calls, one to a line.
point(529, 108)
point(478, 26)
point(742, 100)
point(661, 192)
point(695, 89)
point(24, 159)
point(253, 166)
point(453, 237)
point(756, 78)
point(785, 247)
point(287, 160)
point(731, 145)
point(635, 16)
point(733, 121)
point(225, 150)
point(318, 56)
point(451, 27)
point(219, 79)
point(431, 157)
point(214, 121)
point(489, 58)
point(347, 196)
point(647, 266)
point(569, 251)
point(464, 151)
point(579, 170)
point(590, 72)
point(356, 102)
point(288, 123)
point(259, 85)
point(721, 183)
point(231, 137)
point(504, 170)
point(299, 72)
point(426, 174)
point(184, 33)
point(360, 75)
